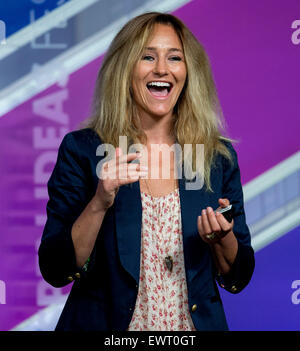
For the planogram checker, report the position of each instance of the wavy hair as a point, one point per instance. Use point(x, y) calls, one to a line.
point(198, 118)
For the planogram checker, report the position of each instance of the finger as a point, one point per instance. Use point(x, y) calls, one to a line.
point(136, 167)
point(139, 172)
point(128, 157)
point(203, 234)
point(224, 202)
point(118, 152)
point(120, 159)
point(132, 178)
point(224, 224)
point(214, 224)
point(122, 178)
point(108, 170)
point(124, 171)
point(205, 223)
point(131, 170)
point(200, 226)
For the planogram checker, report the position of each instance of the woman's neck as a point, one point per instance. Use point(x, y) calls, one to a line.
point(159, 131)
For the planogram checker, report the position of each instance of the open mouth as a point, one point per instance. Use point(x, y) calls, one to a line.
point(159, 89)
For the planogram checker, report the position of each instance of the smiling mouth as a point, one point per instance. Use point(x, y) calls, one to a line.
point(159, 89)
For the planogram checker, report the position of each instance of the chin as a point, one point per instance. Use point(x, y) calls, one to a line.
point(160, 113)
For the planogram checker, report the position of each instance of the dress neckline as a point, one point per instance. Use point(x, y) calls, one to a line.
point(160, 197)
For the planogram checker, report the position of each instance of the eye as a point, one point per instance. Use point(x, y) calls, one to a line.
point(148, 58)
point(175, 58)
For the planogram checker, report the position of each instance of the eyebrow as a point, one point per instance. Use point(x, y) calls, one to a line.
point(151, 48)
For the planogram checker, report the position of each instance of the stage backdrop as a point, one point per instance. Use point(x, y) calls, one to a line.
point(255, 55)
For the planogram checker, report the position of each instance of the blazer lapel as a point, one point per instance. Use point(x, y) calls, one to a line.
point(192, 202)
point(128, 210)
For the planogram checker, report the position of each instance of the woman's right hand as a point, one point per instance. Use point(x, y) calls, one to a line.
point(118, 171)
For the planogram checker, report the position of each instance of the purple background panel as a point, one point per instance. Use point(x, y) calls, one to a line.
point(266, 303)
point(256, 69)
point(23, 191)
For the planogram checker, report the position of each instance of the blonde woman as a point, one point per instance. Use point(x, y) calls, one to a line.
point(145, 250)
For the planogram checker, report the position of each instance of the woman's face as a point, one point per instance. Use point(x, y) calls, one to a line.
point(159, 76)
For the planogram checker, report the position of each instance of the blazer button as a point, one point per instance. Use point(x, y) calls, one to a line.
point(70, 278)
point(77, 275)
point(233, 288)
point(194, 308)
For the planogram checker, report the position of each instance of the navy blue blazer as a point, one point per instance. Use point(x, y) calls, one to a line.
point(104, 292)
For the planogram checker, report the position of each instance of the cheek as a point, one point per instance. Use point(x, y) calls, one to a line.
point(140, 71)
point(138, 93)
point(181, 82)
point(138, 81)
point(136, 87)
point(180, 75)
point(183, 74)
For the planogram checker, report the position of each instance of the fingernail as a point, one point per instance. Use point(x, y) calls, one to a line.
point(204, 211)
point(144, 168)
point(209, 209)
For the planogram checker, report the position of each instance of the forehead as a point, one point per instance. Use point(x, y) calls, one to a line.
point(162, 36)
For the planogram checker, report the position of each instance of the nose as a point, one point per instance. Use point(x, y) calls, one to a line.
point(161, 67)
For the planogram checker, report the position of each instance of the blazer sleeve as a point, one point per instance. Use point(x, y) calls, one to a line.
point(68, 195)
point(243, 266)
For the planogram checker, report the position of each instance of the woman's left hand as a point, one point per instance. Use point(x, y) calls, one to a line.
point(212, 227)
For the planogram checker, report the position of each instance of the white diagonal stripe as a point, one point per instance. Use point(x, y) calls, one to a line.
point(43, 25)
point(73, 59)
point(272, 176)
point(275, 231)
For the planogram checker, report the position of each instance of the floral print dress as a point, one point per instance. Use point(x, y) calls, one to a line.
point(162, 301)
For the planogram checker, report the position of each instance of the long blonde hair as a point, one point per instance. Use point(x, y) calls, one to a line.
point(198, 116)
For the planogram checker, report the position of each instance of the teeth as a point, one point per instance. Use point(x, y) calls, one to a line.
point(160, 84)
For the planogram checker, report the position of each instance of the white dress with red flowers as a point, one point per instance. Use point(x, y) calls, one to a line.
point(162, 301)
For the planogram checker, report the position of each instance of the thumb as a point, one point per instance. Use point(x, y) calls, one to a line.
point(224, 202)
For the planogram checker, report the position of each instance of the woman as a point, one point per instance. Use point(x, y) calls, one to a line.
point(145, 252)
